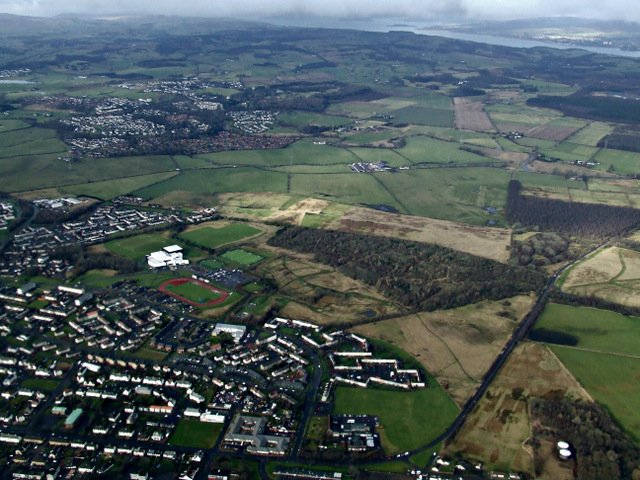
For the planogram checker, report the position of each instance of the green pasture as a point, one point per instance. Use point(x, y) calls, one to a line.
point(242, 257)
point(451, 194)
point(193, 292)
point(47, 170)
point(621, 161)
point(410, 419)
point(368, 137)
point(591, 134)
point(372, 155)
point(600, 330)
point(211, 237)
point(211, 181)
point(611, 379)
point(37, 146)
point(568, 151)
point(113, 188)
point(301, 152)
point(195, 434)
point(353, 188)
point(430, 150)
point(23, 137)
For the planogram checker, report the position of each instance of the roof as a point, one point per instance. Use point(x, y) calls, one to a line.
point(172, 249)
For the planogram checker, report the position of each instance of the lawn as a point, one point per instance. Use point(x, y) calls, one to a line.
point(242, 257)
point(212, 263)
point(195, 434)
point(410, 419)
point(211, 237)
point(139, 246)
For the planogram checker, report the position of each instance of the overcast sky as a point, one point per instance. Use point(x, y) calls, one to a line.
point(352, 9)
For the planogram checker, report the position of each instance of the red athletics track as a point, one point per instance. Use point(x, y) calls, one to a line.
point(180, 281)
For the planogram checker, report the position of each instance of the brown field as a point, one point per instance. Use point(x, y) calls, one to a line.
point(600, 268)
point(469, 115)
point(628, 295)
point(497, 430)
point(295, 213)
point(321, 294)
point(632, 265)
point(545, 132)
point(457, 346)
point(487, 242)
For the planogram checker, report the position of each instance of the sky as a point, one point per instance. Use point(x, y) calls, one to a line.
point(459, 10)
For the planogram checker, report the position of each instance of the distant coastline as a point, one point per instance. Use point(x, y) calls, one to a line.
point(425, 28)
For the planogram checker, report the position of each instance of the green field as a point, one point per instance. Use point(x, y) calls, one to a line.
point(410, 419)
point(571, 152)
point(242, 257)
point(195, 434)
point(612, 380)
point(139, 246)
point(211, 237)
point(606, 359)
point(596, 329)
point(193, 292)
point(212, 263)
point(591, 134)
point(621, 162)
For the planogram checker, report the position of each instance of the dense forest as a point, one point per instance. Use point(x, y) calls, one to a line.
point(586, 219)
point(602, 450)
point(419, 275)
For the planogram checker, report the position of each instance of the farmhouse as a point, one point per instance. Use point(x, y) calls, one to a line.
point(168, 256)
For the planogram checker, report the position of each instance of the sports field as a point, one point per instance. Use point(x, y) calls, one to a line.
point(410, 419)
point(242, 257)
point(194, 292)
point(139, 246)
point(211, 237)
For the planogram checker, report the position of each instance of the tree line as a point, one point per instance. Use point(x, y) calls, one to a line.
point(585, 219)
point(419, 275)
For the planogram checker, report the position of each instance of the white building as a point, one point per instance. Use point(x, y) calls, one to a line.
point(168, 256)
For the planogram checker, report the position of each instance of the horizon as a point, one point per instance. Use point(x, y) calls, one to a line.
point(434, 11)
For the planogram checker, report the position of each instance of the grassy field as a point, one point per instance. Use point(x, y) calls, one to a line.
point(568, 151)
point(596, 329)
point(212, 263)
point(195, 434)
point(612, 380)
point(40, 384)
point(606, 358)
point(410, 419)
point(242, 257)
point(591, 134)
point(621, 162)
point(211, 237)
point(139, 246)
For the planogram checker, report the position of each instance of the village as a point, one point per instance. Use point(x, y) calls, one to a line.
point(77, 386)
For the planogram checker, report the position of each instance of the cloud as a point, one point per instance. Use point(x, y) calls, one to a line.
point(343, 9)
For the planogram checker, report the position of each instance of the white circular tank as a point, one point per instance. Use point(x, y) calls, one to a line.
point(565, 453)
point(562, 445)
